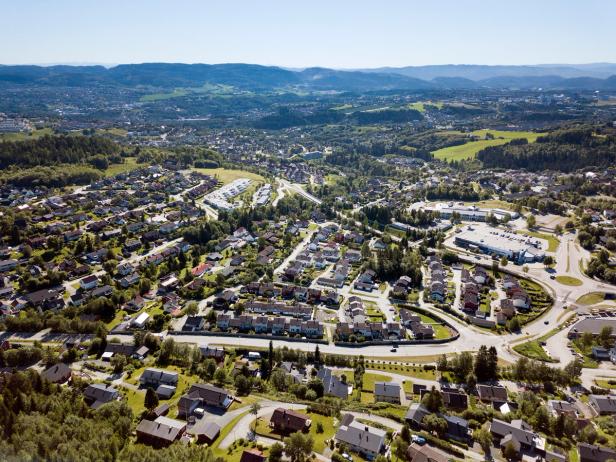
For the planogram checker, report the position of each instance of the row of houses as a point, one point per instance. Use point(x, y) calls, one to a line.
point(268, 325)
point(370, 331)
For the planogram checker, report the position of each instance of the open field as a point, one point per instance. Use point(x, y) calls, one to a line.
point(421, 105)
point(162, 96)
point(130, 163)
point(228, 175)
point(469, 150)
point(26, 136)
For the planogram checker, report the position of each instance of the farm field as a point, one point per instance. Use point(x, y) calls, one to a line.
point(469, 150)
point(228, 175)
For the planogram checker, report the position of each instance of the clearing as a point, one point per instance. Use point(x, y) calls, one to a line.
point(569, 280)
point(469, 150)
point(228, 175)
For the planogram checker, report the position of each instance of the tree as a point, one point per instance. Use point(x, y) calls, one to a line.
point(484, 438)
point(605, 336)
point(548, 261)
point(254, 410)
point(191, 309)
point(531, 221)
point(433, 400)
point(119, 363)
point(504, 261)
point(435, 424)
point(151, 399)
point(298, 446)
point(510, 452)
point(317, 355)
point(442, 364)
point(276, 452)
point(220, 376)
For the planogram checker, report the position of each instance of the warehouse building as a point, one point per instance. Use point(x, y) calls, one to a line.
point(515, 247)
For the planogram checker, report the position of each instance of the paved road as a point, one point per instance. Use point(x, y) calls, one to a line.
point(243, 428)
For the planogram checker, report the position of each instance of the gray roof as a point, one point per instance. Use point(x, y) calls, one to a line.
point(388, 389)
point(357, 434)
point(159, 376)
point(332, 385)
point(99, 394)
point(502, 428)
point(605, 404)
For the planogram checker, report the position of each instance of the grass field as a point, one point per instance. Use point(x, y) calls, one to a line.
point(469, 150)
point(591, 298)
point(421, 105)
point(493, 204)
point(26, 136)
point(162, 96)
point(569, 280)
point(228, 175)
point(130, 163)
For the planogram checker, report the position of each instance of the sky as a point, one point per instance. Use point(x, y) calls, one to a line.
point(303, 33)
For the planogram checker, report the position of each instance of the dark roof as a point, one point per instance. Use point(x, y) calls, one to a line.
point(492, 392)
point(252, 455)
point(290, 420)
point(592, 453)
point(158, 430)
point(58, 373)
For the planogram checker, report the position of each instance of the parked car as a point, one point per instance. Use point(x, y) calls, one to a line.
point(418, 439)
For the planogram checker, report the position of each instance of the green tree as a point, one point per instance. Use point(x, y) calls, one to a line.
point(298, 446)
point(531, 221)
point(276, 452)
point(433, 400)
point(254, 410)
point(484, 438)
point(435, 424)
point(151, 399)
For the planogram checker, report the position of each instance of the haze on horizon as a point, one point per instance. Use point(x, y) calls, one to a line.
point(337, 34)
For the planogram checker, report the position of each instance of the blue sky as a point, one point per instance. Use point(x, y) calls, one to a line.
point(332, 33)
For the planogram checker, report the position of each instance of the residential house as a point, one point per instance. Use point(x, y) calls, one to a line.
point(387, 392)
point(97, 394)
point(200, 395)
point(289, 421)
point(160, 432)
point(603, 404)
point(367, 441)
point(58, 373)
point(152, 377)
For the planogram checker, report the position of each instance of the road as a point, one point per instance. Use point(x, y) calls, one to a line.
point(299, 190)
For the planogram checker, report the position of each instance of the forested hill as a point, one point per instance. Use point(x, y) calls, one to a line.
point(54, 150)
point(563, 150)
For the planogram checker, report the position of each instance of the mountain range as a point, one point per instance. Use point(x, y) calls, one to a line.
point(589, 77)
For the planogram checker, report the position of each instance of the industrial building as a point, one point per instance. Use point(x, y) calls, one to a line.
point(515, 247)
point(469, 212)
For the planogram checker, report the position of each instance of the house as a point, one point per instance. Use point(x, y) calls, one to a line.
point(58, 373)
point(558, 407)
point(193, 323)
point(387, 392)
point(253, 455)
point(140, 321)
point(200, 395)
point(425, 453)
point(97, 394)
point(207, 433)
point(224, 299)
point(457, 428)
point(415, 415)
point(332, 384)
point(160, 432)
point(603, 404)
point(89, 282)
point(362, 439)
point(152, 377)
point(492, 393)
point(520, 431)
point(289, 421)
point(592, 453)
point(455, 399)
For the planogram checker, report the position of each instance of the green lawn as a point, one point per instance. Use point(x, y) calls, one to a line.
point(605, 383)
point(228, 175)
point(591, 298)
point(469, 150)
point(569, 280)
point(407, 370)
point(533, 350)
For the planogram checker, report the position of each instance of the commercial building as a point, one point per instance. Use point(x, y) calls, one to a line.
point(515, 247)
